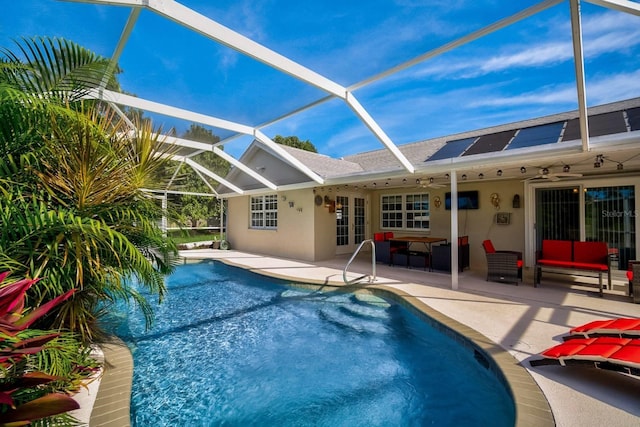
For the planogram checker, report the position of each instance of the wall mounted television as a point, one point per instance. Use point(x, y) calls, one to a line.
point(466, 200)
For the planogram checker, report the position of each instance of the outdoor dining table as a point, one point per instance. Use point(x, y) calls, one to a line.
point(426, 241)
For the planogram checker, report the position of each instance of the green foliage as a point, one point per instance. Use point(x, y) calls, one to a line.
point(37, 368)
point(72, 175)
point(194, 209)
point(294, 141)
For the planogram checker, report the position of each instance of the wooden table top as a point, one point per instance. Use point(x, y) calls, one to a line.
point(420, 239)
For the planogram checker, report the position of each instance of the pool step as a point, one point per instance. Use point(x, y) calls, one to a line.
point(351, 321)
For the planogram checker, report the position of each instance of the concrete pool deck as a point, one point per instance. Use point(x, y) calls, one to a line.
point(522, 320)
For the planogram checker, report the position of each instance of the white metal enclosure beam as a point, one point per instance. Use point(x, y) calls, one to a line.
point(377, 130)
point(461, 41)
point(132, 101)
point(578, 59)
point(122, 42)
point(209, 28)
point(222, 154)
point(288, 157)
point(620, 5)
point(167, 110)
point(199, 167)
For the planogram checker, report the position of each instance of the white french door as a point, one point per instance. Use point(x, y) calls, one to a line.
point(351, 222)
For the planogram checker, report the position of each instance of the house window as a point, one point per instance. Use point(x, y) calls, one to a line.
point(391, 211)
point(264, 211)
point(417, 207)
point(405, 211)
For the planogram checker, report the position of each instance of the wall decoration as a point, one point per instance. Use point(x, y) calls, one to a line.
point(495, 200)
point(516, 201)
point(503, 218)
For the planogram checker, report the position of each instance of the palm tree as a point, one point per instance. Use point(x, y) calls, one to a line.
point(72, 175)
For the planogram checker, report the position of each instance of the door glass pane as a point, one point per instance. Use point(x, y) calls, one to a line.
point(342, 220)
point(557, 214)
point(358, 220)
point(610, 216)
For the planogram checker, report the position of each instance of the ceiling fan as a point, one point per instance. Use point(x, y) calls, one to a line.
point(545, 173)
point(429, 183)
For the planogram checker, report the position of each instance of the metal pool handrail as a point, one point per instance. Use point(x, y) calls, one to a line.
point(371, 277)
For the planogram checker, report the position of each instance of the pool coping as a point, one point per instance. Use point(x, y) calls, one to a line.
point(112, 405)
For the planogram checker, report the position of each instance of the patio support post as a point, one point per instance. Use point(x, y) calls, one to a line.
point(578, 59)
point(454, 230)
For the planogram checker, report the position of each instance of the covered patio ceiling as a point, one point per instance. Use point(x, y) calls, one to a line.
point(301, 89)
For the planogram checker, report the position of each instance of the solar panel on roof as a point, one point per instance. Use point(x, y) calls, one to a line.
point(607, 124)
point(490, 143)
point(572, 130)
point(452, 149)
point(537, 135)
point(633, 114)
point(600, 124)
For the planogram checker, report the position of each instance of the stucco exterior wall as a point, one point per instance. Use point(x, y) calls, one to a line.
point(294, 237)
point(325, 233)
point(478, 224)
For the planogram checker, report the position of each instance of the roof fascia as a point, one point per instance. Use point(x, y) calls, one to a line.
point(620, 5)
point(221, 153)
point(578, 60)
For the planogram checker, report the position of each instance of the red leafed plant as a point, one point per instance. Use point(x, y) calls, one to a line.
point(24, 395)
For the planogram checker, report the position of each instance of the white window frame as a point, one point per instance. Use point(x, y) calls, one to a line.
point(390, 218)
point(263, 212)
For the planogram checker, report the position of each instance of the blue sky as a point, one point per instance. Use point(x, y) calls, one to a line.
point(523, 71)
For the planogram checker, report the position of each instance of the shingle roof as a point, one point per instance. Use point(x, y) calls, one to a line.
point(323, 165)
point(419, 152)
point(609, 119)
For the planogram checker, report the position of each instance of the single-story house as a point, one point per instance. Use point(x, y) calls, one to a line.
point(522, 182)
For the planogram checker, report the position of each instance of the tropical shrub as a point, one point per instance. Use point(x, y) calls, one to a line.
point(38, 369)
point(73, 175)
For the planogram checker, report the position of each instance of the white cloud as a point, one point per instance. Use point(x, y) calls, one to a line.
point(541, 55)
point(600, 90)
point(604, 33)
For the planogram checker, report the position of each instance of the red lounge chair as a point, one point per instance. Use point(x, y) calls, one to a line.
point(611, 353)
point(621, 327)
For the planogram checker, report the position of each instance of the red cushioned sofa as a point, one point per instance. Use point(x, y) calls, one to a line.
point(573, 255)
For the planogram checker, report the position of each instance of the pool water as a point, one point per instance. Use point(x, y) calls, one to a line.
point(233, 348)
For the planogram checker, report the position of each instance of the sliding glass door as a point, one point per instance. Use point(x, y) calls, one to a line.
point(610, 216)
point(589, 212)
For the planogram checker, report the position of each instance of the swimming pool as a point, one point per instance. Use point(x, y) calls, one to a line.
point(230, 347)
